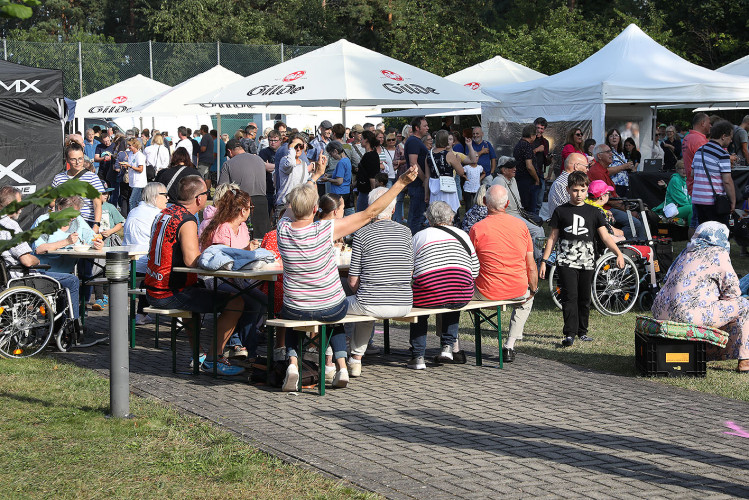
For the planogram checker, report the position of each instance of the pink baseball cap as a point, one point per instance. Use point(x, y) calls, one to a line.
point(599, 188)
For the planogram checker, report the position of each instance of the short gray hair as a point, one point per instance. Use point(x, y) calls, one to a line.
point(439, 213)
point(151, 192)
point(496, 197)
point(374, 195)
point(598, 150)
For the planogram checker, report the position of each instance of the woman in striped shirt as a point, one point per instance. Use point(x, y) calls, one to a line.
point(312, 286)
point(445, 266)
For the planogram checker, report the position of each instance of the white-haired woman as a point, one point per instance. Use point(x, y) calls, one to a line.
point(138, 232)
point(312, 286)
point(445, 266)
point(380, 276)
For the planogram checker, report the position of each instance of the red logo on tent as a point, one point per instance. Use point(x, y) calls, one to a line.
point(294, 76)
point(392, 75)
point(119, 99)
point(473, 85)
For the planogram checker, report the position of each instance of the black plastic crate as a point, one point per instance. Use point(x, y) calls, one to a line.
point(659, 357)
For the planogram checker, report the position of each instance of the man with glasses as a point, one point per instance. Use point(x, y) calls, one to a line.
point(600, 171)
point(248, 170)
point(485, 152)
point(558, 194)
point(91, 209)
point(268, 156)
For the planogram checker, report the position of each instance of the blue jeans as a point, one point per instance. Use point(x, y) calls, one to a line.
point(246, 332)
point(620, 216)
point(418, 332)
point(330, 314)
point(416, 208)
point(540, 196)
point(362, 202)
point(135, 197)
point(398, 215)
point(72, 283)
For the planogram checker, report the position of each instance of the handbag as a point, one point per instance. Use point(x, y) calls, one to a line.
point(534, 219)
point(447, 183)
point(150, 173)
point(722, 201)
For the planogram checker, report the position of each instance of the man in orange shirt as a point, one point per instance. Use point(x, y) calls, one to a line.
point(507, 267)
point(694, 140)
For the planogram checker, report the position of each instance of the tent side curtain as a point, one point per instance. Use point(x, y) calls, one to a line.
point(594, 112)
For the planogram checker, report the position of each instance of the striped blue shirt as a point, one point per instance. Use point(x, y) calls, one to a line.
point(717, 161)
point(87, 210)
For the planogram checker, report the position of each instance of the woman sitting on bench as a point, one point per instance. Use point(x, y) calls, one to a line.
point(311, 283)
point(702, 289)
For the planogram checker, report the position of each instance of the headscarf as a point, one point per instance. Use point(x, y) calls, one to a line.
point(712, 236)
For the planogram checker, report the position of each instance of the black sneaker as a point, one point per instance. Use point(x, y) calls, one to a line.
point(459, 358)
point(585, 338)
point(508, 355)
point(568, 341)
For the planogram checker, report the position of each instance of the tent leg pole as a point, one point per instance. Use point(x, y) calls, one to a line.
point(343, 114)
point(218, 146)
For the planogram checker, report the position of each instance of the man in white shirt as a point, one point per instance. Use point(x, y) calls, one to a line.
point(184, 140)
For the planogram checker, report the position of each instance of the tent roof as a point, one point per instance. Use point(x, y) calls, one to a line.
point(632, 68)
point(343, 74)
point(176, 101)
point(738, 67)
point(493, 72)
point(24, 81)
point(118, 98)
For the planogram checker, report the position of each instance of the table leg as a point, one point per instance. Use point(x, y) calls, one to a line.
point(269, 329)
point(323, 347)
point(300, 360)
point(386, 335)
point(499, 335)
point(133, 304)
point(477, 336)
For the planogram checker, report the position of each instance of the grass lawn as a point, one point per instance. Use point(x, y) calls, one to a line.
point(613, 347)
point(58, 444)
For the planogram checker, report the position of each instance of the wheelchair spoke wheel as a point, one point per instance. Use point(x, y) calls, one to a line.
point(554, 287)
point(615, 290)
point(26, 322)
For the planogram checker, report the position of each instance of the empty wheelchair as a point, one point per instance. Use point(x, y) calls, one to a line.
point(33, 309)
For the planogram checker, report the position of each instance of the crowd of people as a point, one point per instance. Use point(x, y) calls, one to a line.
point(470, 228)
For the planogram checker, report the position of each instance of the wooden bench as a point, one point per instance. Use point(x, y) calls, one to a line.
point(175, 329)
point(322, 329)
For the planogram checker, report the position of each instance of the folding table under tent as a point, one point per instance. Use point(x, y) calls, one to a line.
point(339, 75)
point(32, 114)
point(627, 79)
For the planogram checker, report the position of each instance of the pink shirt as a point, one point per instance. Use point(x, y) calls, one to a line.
point(225, 235)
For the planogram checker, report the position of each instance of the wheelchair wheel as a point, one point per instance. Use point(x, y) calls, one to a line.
point(615, 290)
point(26, 322)
point(554, 286)
point(646, 301)
point(65, 336)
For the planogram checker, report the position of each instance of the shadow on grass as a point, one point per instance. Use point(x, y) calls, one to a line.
point(49, 404)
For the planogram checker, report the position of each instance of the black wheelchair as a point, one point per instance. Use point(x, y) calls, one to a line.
point(34, 308)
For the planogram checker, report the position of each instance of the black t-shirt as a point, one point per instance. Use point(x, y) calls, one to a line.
point(523, 151)
point(268, 155)
point(369, 167)
point(414, 146)
point(165, 175)
point(104, 166)
point(578, 226)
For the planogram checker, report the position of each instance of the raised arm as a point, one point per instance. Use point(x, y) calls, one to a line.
point(349, 224)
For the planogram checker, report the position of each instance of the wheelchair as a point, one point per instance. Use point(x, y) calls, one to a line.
point(616, 291)
point(34, 309)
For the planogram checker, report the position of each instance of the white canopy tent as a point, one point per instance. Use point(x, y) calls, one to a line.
point(490, 73)
point(627, 79)
point(117, 99)
point(340, 75)
point(739, 67)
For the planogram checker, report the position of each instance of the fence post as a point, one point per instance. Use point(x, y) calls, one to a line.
point(282, 52)
point(80, 68)
point(150, 58)
point(218, 52)
point(5, 49)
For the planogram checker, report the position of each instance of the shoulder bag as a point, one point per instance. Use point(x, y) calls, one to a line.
point(174, 178)
point(457, 237)
point(447, 183)
point(722, 201)
point(529, 216)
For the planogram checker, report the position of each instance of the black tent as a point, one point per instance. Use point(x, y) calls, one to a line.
point(31, 134)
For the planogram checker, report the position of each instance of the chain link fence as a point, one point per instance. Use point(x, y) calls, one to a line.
point(89, 67)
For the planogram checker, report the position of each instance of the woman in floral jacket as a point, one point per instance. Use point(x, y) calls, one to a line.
point(702, 289)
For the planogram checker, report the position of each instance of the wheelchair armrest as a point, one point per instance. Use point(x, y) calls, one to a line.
point(25, 269)
point(40, 267)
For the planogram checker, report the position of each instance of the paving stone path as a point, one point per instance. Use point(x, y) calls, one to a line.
point(537, 428)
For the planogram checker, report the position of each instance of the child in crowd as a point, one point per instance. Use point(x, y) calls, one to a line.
point(575, 225)
point(598, 196)
point(474, 175)
point(381, 179)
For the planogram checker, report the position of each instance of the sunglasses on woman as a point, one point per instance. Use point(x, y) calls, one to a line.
point(299, 147)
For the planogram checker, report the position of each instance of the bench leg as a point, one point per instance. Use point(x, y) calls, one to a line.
point(196, 346)
point(215, 341)
point(300, 361)
point(269, 329)
point(386, 334)
point(174, 344)
point(499, 336)
point(477, 336)
point(323, 347)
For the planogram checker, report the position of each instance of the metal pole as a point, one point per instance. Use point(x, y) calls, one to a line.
point(218, 52)
point(80, 67)
point(150, 58)
point(117, 271)
point(5, 49)
point(218, 145)
point(281, 52)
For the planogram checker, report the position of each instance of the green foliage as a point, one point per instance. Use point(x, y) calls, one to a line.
point(16, 10)
point(44, 198)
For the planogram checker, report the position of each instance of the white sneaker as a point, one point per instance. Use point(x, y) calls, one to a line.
point(354, 367)
point(446, 355)
point(329, 374)
point(143, 319)
point(291, 379)
point(341, 379)
point(416, 363)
